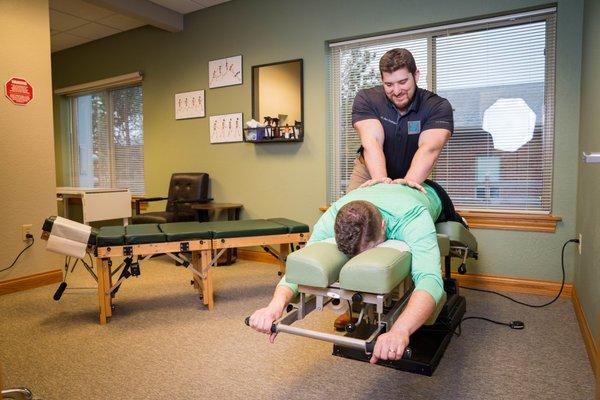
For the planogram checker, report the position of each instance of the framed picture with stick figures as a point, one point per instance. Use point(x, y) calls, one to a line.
point(225, 72)
point(226, 128)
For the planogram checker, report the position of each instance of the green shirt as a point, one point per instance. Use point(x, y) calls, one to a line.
point(409, 216)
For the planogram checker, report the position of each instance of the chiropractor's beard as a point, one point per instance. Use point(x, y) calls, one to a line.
point(401, 102)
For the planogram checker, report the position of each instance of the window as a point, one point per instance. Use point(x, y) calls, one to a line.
point(498, 74)
point(107, 139)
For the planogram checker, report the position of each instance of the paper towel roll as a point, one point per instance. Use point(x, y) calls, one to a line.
point(72, 230)
point(67, 247)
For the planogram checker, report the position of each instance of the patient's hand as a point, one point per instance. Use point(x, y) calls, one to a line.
point(390, 346)
point(372, 182)
point(407, 182)
point(262, 320)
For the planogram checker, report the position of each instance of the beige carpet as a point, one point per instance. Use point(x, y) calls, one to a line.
point(163, 344)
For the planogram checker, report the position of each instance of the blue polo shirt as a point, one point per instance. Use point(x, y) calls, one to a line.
point(426, 111)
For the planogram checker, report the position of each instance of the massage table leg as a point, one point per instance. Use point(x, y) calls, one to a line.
point(207, 286)
point(197, 281)
point(103, 273)
point(284, 250)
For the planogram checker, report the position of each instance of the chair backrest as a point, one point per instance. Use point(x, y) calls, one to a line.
point(183, 187)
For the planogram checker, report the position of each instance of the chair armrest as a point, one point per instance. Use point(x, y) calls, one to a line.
point(193, 201)
point(149, 199)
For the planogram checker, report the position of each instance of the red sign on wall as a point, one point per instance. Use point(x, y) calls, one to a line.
point(19, 91)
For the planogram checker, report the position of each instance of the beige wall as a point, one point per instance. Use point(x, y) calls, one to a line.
point(27, 173)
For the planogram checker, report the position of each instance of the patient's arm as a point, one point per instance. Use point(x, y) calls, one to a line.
point(262, 319)
point(420, 306)
point(421, 237)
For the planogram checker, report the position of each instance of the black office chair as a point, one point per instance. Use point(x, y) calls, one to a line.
point(184, 189)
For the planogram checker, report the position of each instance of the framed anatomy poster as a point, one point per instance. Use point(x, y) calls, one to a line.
point(189, 105)
point(225, 72)
point(226, 128)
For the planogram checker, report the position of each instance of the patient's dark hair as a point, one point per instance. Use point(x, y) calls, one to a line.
point(357, 223)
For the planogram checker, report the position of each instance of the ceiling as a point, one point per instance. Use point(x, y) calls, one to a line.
point(74, 22)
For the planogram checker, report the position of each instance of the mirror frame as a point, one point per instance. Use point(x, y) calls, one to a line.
point(255, 100)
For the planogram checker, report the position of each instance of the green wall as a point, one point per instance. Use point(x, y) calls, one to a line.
point(290, 179)
point(587, 277)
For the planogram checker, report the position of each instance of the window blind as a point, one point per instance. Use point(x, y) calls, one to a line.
point(499, 78)
point(499, 82)
point(107, 139)
point(354, 67)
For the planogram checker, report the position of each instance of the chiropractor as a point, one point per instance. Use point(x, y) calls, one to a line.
point(402, 128)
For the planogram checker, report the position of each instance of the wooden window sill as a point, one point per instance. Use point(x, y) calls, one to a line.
point(512, 222)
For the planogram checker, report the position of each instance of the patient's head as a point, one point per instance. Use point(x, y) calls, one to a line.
point(358, 227)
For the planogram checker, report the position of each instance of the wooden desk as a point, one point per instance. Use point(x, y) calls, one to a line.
point(233, 209)
point(233, 214)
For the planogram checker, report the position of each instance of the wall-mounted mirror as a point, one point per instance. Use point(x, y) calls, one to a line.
point(277, 103)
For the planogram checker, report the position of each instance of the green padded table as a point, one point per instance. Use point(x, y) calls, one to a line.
point(201, 239)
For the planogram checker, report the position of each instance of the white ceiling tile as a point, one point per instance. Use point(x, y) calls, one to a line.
point(63, 22)
point(93, 31)
point(210, 3)
point(80, 8)
point(121, 22)
point(62, 41)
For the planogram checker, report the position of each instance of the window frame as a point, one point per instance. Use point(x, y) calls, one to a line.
point(74, 165)
point(538, 221)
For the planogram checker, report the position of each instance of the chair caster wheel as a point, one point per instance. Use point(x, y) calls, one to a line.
point(462, 269)
point(350, 328)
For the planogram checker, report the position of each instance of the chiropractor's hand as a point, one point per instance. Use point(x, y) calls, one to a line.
point(390, 346)
point(262, 320)
point(412, 184)
point(372, 182)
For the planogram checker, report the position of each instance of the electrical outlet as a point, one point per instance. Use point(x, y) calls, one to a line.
point(580, 237)
point(25, 229)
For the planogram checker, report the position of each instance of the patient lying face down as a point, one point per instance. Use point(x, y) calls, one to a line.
point(362, 219)
point(358, 227)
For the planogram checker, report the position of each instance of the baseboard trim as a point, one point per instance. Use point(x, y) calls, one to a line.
point(30, 281)
point(586, 333)
point(515, 285)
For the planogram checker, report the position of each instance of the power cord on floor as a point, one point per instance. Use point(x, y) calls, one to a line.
point(28, 236)
point(520, 324)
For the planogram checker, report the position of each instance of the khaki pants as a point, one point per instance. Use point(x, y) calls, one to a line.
point(360, 174)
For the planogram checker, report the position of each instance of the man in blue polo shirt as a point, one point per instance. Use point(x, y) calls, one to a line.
point(402, 127)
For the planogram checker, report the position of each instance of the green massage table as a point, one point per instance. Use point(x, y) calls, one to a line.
point(379, 280)
point(205, 241)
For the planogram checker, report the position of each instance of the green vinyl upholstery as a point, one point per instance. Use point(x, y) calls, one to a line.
point(143, 233)
point(184, 231)
point(377, 270)
point(457, 234)
point(316, 265)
